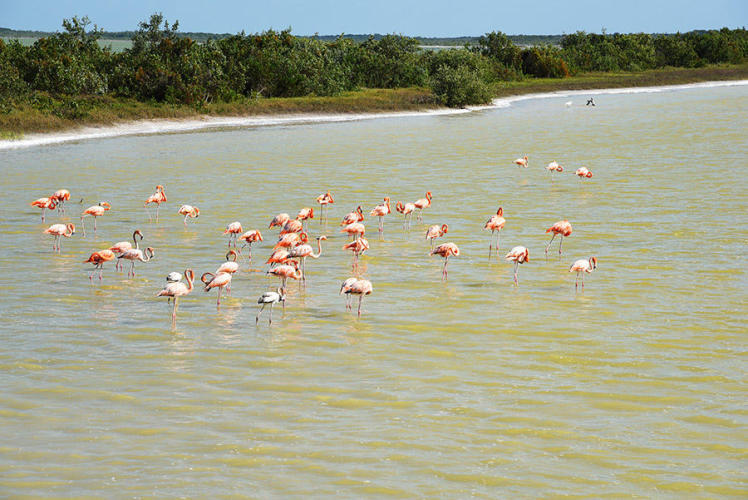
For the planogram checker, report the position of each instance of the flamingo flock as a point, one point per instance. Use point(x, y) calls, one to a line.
point(292, 248)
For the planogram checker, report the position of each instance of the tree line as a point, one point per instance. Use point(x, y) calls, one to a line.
point(164, 66)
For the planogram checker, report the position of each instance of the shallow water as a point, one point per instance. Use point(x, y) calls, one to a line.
point(474, 387)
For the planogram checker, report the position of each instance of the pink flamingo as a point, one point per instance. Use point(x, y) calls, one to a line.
point(44, 204)
point(407, 210)
point(123, 246)
point(356, 230)
point(423, 203)
point(345, 289)
point(60, 197)
point(436, 232)
point(305, 213)
point(324, 200)
point(554, 167)
point(358, 247)
point(285, 271)
point(220, 281)
point(304, 251)
point(59, 230)
point(360, 288)
point(495, 224)
point(562, 228)
point(231, 265)
point(583, 172)
point(178, 289)
point(445, 250)
point(98, 259)
point(522, 162)
point(279, 220)
point(188, 211)
point(94, 211)
point(251, 236)
point(355, 216)
point(291, 240)
point(380, 211)
point(233, 230)
point(582, 266)
point(518, 255)
point(136, 254)
point(158, 198)
point(279, 256)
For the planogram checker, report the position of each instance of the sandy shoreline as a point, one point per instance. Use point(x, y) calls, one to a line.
point(161, 126)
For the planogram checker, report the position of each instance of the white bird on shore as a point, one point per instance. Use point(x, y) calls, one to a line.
point(568, 104)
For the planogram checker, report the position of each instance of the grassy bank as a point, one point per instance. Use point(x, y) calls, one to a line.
point(47, 114)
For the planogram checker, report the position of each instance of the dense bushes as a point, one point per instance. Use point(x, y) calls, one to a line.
point(164, 66)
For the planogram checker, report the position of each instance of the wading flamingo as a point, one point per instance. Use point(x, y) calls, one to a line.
point(158, 198)
point(356, 230)
point(123, 246)
point(554, 167)
point(358, 247)
point(360, 288)
point(344, 289)
point(60, 197)
point(291, 240)
point(324, 200)
point(188, 211)
point(495, 224)
point(136, 254)
point(445, 250)
point(522, 162)
point(583, 266)
point(231, 265)
point(59, 230)
point(518, 255)
point(178, 289)
point(285, 271)
point(407, 210)
point(423, 203)
point(233, 230)
point(271, 298)
point(44, 204)
point(583, 172)
point(305, 213)
point(351, 217)
point(94, 211)
point(98, 259)
point(562, 228)
point(304, 251)
point(380, 211)
point(251, 236)
point(436, 232)
point(279, 220)
point(220, 281)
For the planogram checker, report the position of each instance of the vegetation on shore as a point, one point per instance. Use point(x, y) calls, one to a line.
point(68, 80)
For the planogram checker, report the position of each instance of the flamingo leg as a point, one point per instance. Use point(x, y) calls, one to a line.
point(185, 221)
point(257, 318)
point(95, 223)
point(218, 302)
point(576, 283)
point(560, 243)
point(360, 299)
point(303, 268)
point(498, 235)
point(42, 214)
point(516, 265)
point(101, 272)
point(174, 311)
point(83, 226)
point(158, 205)
point(132, 269)
point(270, 322)
point(549, 244)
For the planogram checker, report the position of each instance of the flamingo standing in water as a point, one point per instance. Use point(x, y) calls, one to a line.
point(562, 228)
point(220, 281)
point(304, 214)
point(583, 172)
point(98, 259)
point(279, 220)
point(94, 211)
point(324, 200)
point(188, 211)
point(177, 289)
point(59, 230)
point(518, 255)
point(60, 197)
point(230, 266)
point(495, 224)
point(285, 271)
point(358, 247)
point(123, 246)
point(436, 232)
point(445, 250)
point(233, 230)
point(356, 230)
point(271, 298)
point(522, 162)
point(351, 217)
point(407, 210)
point(44, 204)
point(304, 251)
point(136, 254)
point(380, 211)
point(582, 266)
point(345, 289)
point(422, 203)
point(158, 198)
point(248, 238)
point(554, 167)
point(360, 288)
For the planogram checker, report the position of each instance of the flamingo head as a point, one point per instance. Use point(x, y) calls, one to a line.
point(197, 212)
point(258, 235)
point(204, 278)
point(500, 212)
point(137, 231)
point(231, 253)
point(105, 204)
point(303, 237)
point(160, 188)
point(445, 228)
point(311, 213)
point(526, 255)
point(428, 195)
point(593, 262)
point(588, 174)
point(323, 237)
point(150, 252)
point(189, 274)
point(400, 207)
point(71, 227)
point(559, 169)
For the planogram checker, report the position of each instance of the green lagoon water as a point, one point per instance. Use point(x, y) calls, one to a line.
point(473, 387)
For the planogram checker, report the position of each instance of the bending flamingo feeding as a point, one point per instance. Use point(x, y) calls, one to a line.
point(357, 287)
point(324, 200)
point(436, 232)
point(44, 204)
point(188, 211)
point(561, 228)
point(98, 259)
point(522, 162)
point(58, 231)
point(445, 250)
point(407, 210)
point(251, 236)
point(60, 197)
point(518, 255)
point(582, 266)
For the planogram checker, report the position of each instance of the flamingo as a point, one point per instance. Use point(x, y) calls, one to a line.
point(423, 203)
point(219, 280)
point(94, 211)
point(436, 232)
point(305, 213)
point(292, 226)
point(345, 289)
point(271, 298)
point(563, 228)
point(177, 289)
point(583, 172)
point(233, 230)
point(136, 254)
point(582, 266)
point(248, 238)
point(360, 288)
point(291, 240)
point(279, 220)
point(230, 266)
point(554, 167)
point(304, 251)
point(495, 224)
point(407, 210)
point(519, 255)
point(522, 162)
point(123, 246)
point(380, 211)
point(158, 198)
point(98, 259)
point(60, 197)
point(356, 230)
point(188, 211)
point(358, 247)
point(351, 217)
point(285, 271)
point(59, 230)
point(279, 256)
point(324, 200)
point(445, 250)
point(44, 204)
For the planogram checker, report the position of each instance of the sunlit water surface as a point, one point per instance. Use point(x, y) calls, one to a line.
point(634, 387)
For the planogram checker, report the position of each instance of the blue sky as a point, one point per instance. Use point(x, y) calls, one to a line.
point(409, 17)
